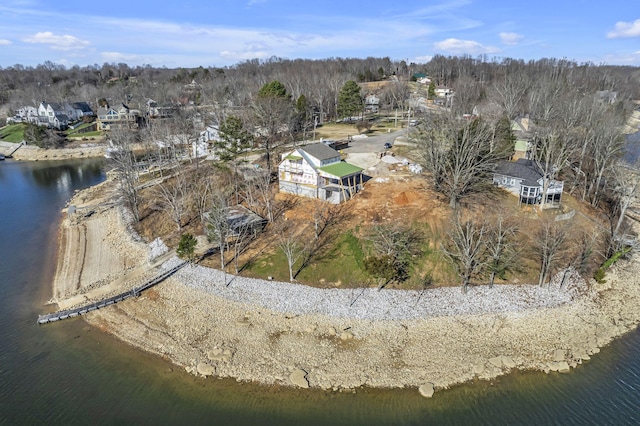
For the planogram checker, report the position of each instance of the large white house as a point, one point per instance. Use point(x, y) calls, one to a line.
point(317, 171)
point(55, 114)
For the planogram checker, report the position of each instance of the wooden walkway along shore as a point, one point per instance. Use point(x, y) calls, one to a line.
point(70, 313)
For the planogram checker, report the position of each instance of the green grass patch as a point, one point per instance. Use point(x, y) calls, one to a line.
point(601, 272)
point(268, 265)
point(84, 135)
point(340, 262)
point(80, 127)
point(13, 133)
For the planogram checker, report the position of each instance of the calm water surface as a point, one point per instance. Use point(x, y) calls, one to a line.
point(69, 373)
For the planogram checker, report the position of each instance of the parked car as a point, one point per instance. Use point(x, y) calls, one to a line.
point(387, 145)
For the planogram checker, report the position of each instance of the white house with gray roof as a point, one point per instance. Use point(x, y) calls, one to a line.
point(524, 179)
point(317, 171)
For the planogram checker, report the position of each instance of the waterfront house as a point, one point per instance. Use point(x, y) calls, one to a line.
point(317, 171)
point(53, 115)
point(525, 179)
point(117, 117)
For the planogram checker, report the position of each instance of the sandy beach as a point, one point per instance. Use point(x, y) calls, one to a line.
point(214, 324)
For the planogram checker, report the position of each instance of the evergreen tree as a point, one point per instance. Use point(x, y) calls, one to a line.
point(432, 90)
point(186, 247)
point(504, 141)
point(349, 99)
point(234, 141)
point(273, 89)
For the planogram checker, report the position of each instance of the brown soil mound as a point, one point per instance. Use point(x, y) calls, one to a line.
point(406, 197)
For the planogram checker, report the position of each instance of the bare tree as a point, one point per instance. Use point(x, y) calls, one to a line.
point(586, 246)
point(259, 192)
point(203, 185)
point(324, 215)
point(549, 240)
point(606, 148)
point(552, 148)
point(218, 229)
point(292, 247)
point(457, 153)
point(273, 112)
point(123, 158)
point(394, 249)
point(509, 92)
point(544, 96)
point(185, 130)
point(465, 249)
point(172, 196)
point(501, 253)
point(242, 237)
point(623, 190)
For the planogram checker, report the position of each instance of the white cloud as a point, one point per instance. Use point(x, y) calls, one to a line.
point(244, 55)
point(422, 59)
point(625, 29)
point(4, 42)
point(632, 58)
point(511, 39)
point(120, 57)
point(57, 42)
point(458, 46)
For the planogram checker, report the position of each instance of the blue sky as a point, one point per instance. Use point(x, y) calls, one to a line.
point(190, 33)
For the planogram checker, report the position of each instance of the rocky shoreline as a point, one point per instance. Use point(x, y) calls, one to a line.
point(33, 153)
point(214, 324)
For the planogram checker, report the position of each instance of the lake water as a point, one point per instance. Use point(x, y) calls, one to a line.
point(70, 373)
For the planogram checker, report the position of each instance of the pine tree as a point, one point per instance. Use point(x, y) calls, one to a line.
point(349, 99)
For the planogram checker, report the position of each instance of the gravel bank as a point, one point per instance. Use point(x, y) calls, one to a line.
point(373, 304)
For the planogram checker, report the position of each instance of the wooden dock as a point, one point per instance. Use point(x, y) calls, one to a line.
point(70, 313)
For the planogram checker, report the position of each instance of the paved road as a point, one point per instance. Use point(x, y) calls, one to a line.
point(373, 143)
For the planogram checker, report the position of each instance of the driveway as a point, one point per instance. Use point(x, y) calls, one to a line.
point(373, 144)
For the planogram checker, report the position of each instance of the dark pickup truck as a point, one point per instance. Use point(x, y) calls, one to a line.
point(337, 145)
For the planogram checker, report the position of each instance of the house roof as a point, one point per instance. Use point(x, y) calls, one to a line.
point(341, 169)
point(320, 151)
point(56, 106)
point(82, 106)
point(521, 145)
point(239, 217)
point(521, 169)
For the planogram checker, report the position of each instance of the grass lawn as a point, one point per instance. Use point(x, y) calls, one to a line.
point(80, 127)
point(84, 135)
point(340, 264)
point(12, 133)
point(75, 133)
